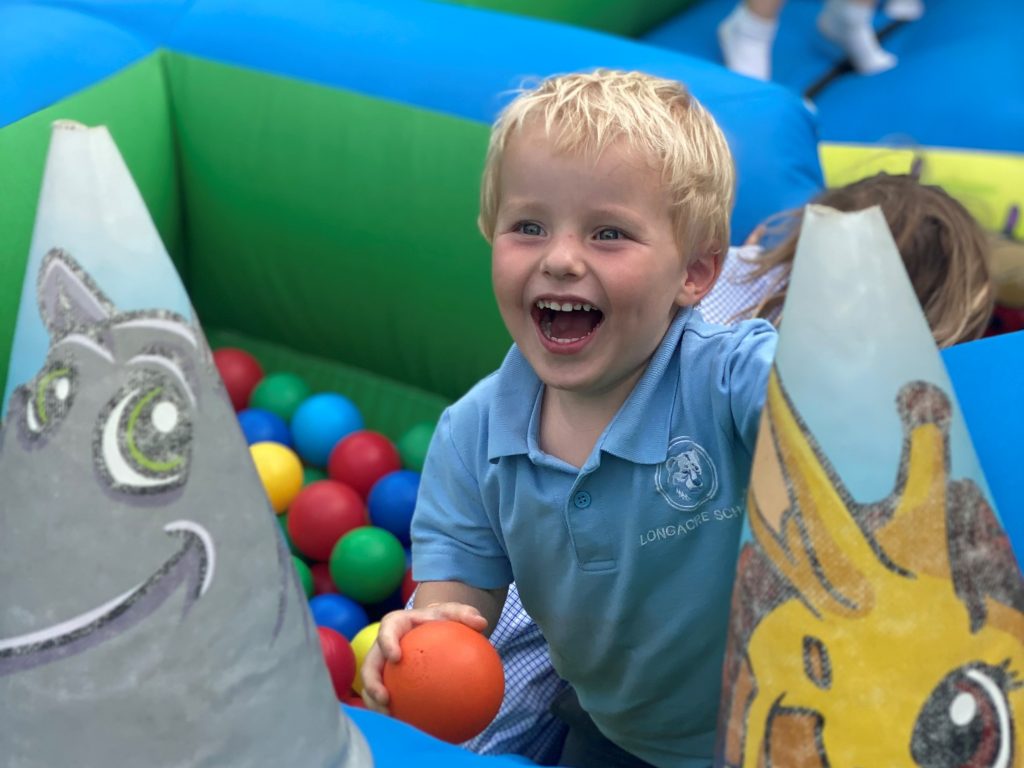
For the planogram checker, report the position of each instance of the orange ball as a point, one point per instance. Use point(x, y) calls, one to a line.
point(449, 681)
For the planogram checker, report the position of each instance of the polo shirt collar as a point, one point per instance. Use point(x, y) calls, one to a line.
point(639, 432)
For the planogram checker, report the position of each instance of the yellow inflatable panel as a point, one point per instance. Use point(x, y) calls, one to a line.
point(989, 184)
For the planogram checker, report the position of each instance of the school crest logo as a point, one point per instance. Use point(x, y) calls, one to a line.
point(688, 477)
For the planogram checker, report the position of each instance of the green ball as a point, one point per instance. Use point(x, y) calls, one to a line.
point(280, 393)
point(305, 576)
point(367, 564)
point(312, 475)
point(412, 446)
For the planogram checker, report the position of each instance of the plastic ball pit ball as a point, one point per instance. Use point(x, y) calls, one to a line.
point(361, 459)
point(340, 661)
point(279, 393)
point(261, 426)
point(305, 576)
point(240, 372)
point(368, 564)
point(340, 613)
point(280, 472)
point(408, 586)
point(392, 501)
point(320, 422)
point(323, 584)
point(320, 514)
point(449, 681)
point(361, 645)
point(412, 446)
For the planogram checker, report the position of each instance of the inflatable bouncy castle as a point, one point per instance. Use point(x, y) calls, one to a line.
point(312, 172)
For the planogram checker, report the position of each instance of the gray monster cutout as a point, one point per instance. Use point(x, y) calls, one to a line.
point(149, 610)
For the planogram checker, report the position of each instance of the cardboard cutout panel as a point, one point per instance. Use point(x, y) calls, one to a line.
point(151, 614)
point(878, 613)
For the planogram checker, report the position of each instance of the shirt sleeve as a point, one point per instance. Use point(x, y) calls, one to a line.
point(746, 376)
point(453, 537)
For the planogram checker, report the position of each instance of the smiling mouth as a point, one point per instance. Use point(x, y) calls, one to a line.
point(192, 564)
point(566, 322)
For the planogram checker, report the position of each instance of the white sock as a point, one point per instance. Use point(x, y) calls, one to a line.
point(904, 10)
point(849, 25)
point(746, 40)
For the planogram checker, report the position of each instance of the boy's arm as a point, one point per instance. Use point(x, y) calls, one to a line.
point(747, 371)
point(488, 602)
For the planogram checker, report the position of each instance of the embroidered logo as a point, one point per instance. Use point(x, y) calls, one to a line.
point(688, 477)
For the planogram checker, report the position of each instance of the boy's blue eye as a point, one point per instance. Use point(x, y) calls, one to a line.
point(529, 228)
point(610, 234)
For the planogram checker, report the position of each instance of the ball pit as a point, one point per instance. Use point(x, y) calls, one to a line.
point(361, 459)
point(391, 502)
point(261, 426)
point(305, 575)
point(340, 613)
point(280, 472)
point(322, 513)
point(323, 584)
point(449, 681)
point(412, 446)
point(240, 372)
point(280, 393)
point(368, 564)
point(340, 661)
point(320, 422)
point(361, 645)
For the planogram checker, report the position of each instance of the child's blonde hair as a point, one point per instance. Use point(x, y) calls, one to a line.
point(944, 250)
point(585, 113)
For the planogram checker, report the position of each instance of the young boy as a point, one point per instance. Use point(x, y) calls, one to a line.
point(603, 467)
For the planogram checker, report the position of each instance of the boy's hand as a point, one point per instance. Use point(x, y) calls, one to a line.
point(393, 627)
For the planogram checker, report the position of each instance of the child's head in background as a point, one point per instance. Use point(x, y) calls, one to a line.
point(943, 247)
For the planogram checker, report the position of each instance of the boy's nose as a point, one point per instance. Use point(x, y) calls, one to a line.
point(564, 257)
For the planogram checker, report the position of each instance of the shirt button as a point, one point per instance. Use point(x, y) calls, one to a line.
point(581, 500)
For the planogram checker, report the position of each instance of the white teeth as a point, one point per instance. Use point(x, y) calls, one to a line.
point(559, 307)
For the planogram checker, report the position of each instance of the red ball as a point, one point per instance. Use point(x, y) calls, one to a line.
point(240, 371)
point(449, 681)
point(322, 513)
point(340, 660)
point(408, 586)
point(323, 584)
point(361, 459)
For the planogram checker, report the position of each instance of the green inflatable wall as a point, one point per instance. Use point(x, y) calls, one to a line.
point(629, 19)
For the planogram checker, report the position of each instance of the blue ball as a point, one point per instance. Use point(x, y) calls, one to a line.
point(340, 613)
point(320, 422)
point(392, 500)
point(260, 426)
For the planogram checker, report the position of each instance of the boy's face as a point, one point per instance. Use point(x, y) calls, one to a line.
point(597, 237)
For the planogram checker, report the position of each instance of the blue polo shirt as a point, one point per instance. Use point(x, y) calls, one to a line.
point(627, 563)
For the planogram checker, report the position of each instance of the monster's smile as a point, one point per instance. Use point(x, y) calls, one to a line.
point(192, 564)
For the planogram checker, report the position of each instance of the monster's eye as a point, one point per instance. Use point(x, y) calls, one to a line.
point(49, 398)
point(966, 722)
point(144, 437)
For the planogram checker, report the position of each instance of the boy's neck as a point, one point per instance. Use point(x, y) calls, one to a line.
point(570, 423)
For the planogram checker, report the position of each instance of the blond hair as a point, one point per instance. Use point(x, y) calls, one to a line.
point(943, 247)
point(586, 113)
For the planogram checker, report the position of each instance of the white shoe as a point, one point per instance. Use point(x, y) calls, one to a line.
point(746, 43)
point(904, 10)
point(849, 27)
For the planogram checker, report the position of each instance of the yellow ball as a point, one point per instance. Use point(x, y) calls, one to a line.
point(280, 470)
point(361, 644)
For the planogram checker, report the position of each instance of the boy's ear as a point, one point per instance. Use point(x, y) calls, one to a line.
point(701, 274)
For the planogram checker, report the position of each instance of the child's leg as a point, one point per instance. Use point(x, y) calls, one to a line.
point(585, 746)
point(746, 37)
point(848, 23)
